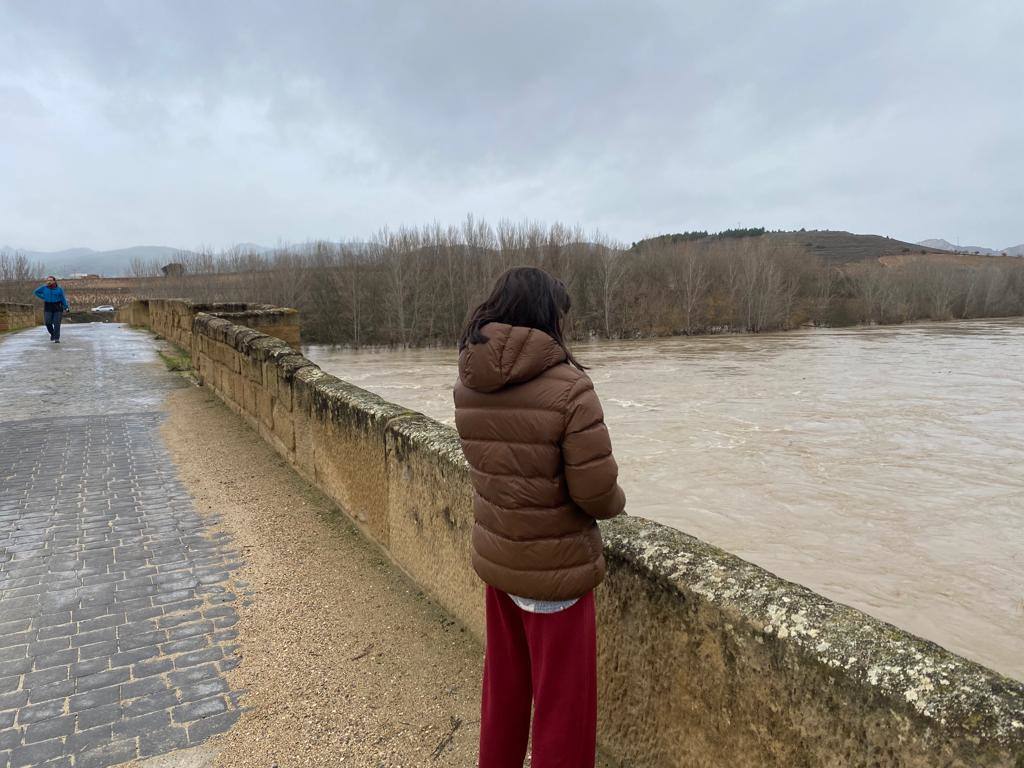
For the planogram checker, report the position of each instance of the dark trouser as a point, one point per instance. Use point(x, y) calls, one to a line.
point(52, 320)
point(551, 660)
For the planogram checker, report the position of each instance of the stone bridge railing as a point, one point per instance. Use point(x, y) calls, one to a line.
point(173, 318)
point(704, 659)
point(14, 317)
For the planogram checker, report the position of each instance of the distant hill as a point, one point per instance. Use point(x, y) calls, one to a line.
point(945, 245)
point(118, 262)
point(252, 248)
point(115, 263)
point(86, 261)
point(834, 247)
point(839, 247)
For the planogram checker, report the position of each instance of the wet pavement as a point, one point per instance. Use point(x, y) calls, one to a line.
point(116, 597)
point(96, 368)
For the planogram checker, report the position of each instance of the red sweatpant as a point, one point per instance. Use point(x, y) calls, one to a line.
point(551, 660)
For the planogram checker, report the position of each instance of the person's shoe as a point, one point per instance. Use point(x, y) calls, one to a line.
point(56, 341)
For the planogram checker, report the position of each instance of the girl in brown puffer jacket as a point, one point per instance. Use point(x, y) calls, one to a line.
point(542, 469)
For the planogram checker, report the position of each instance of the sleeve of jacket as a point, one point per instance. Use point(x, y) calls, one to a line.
point(39, 292)
point(590, 469)
point(64, 300)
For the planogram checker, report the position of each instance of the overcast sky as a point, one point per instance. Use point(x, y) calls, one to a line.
point(208, 123)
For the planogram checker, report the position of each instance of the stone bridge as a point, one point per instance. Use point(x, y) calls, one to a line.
point(110, 582)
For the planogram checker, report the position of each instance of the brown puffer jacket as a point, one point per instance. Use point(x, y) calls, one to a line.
point(541, 463)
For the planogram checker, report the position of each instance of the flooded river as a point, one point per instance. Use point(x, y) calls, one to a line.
point(882, 467)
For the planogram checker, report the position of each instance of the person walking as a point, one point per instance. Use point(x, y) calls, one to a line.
point(542, 471)
point(54, 306)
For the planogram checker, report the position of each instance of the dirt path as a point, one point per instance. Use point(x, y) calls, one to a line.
point(344, 661)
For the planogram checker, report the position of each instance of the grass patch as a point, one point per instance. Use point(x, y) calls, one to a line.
point(176, 360)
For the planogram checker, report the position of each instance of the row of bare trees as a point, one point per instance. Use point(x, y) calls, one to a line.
point(935, 289)
point(18, 277)
point(414, 286)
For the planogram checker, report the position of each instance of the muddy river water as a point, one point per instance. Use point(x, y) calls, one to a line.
point(882, 467)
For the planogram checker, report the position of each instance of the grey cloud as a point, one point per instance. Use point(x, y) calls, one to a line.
point(196, 122)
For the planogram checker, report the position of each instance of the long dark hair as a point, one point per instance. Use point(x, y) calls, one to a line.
point(523, 296)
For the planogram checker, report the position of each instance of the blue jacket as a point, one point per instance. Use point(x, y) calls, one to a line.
point(52, 295)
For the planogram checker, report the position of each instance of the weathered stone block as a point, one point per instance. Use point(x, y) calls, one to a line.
point(203, 364)
point(252, 369)
point(265, 406)
point(430, 514)
point(348, 426)
point(14, 317)
point(238, 390)
point(284, 428)
point(270, 379)
point(303, 418)
point(223, 382)
point(248, 397)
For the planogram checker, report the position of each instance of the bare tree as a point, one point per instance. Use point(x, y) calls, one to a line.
point(611, 266)
point(17, 276)
point(693, 282)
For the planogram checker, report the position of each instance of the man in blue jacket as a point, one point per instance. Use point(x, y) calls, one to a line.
point(54, 306)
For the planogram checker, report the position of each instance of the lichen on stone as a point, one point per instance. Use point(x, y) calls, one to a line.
point(947, 689)
point(337, 400)
point(432, 437)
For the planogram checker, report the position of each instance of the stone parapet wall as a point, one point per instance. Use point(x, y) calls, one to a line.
point(134, 313)
point(704, 659)
point(173, 318)
point(14, 317)
point(279, 322)
point(753, 670)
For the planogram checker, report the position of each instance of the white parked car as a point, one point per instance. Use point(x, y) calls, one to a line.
point(104, 308)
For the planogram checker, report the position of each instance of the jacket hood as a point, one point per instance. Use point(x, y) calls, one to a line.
point(511, 355)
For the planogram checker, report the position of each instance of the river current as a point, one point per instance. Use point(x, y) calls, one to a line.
point(882, 467)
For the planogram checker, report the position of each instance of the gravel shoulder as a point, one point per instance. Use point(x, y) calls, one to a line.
point(344, 660)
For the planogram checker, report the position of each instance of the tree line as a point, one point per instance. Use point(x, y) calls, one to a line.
point(414, 286)
point(19, 276)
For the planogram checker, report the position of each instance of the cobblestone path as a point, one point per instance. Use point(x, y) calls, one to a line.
point(116, 598)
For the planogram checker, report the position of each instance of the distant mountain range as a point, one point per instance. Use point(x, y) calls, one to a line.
point(115, 263)
point(945, 245)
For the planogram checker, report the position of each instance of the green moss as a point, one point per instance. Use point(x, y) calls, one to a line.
point(176, 359)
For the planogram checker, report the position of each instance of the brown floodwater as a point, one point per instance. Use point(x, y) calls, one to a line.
point(882, 467)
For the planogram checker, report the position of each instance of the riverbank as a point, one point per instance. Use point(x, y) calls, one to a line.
point(724, 333)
